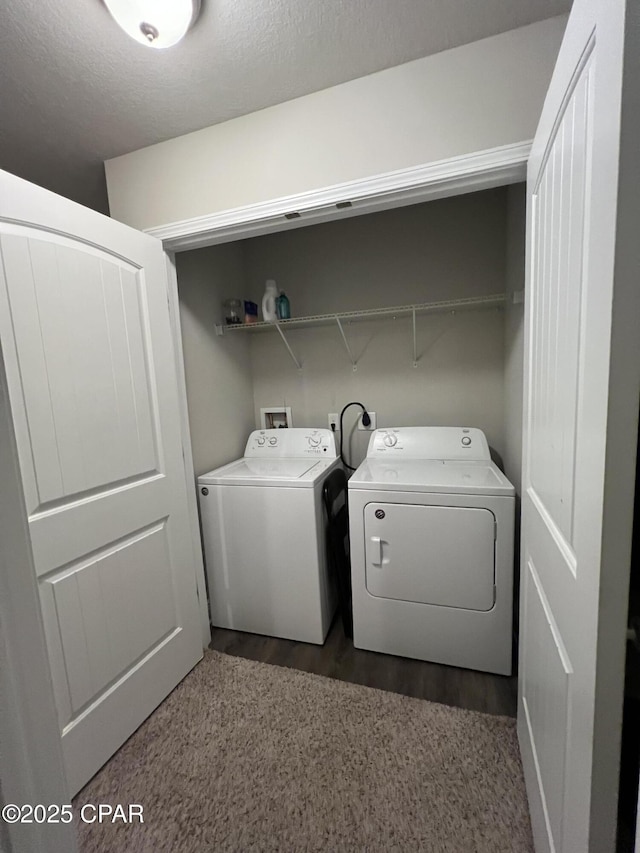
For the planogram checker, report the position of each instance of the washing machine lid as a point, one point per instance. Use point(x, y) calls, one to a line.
point(249, 471)
point(431, 476)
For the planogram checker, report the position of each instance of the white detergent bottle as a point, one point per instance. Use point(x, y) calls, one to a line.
point(269, 313)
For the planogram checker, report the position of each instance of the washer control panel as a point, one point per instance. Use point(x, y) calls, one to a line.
point(294, 443)
point(449, 443)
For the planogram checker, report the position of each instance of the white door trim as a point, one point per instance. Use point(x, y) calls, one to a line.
point(187, 453)
point(31, 770)
point(506, 164)
point(500, 166)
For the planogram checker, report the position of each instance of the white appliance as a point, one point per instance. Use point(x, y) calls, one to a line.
point(431, 525)
point(264, 536)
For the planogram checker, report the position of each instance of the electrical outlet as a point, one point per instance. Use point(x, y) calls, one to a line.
point(371, 426)
point(333, 422)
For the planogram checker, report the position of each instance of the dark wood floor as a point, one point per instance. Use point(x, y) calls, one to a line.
point(478, 691)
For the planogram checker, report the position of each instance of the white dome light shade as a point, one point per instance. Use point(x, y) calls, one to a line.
point(156, 23)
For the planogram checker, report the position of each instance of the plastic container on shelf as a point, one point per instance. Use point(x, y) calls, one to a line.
point(250, 312)
point(269, 312)
point(283, 306)
point(233, 311)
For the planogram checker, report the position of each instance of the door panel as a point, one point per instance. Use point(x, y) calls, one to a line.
point(83, 350)
point(581, 367)
point(89, 358)
point(431, 554)
point(108, 616)
point(546, 674)
point(559, 210)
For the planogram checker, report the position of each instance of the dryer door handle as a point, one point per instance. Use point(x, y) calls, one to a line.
point(375, 551)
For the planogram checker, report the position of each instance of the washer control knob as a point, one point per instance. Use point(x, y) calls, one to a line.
point(314, 441)
point(261, 441)
point(390, 440)
point(273, 441)
point(466, 441)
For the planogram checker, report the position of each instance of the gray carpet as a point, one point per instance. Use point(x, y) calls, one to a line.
point(244, 756)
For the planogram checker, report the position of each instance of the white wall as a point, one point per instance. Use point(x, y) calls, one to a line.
point(217, 369)
point(444, 249)
point(458, 380)
point(514, 332)
point(468, 99)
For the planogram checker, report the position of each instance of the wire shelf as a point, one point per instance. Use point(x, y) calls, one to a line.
point(343, 318)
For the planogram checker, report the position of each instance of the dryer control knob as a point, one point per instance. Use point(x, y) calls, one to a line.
point(261, 441)
point(390, 440)
point(466, 441)
point(273, 441)
point(314, 441)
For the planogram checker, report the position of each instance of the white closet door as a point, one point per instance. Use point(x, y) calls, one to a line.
point(85, 333)
point(581, 399)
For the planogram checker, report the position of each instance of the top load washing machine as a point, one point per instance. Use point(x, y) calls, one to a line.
point(431, 526)
point(264, 536)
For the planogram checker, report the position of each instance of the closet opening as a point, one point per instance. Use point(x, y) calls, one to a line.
point(417, 311)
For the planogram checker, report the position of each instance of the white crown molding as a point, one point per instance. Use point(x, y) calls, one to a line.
point(467, 173)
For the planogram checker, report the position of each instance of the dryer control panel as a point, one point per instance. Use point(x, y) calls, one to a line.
point(450, 443)
point(293, 443)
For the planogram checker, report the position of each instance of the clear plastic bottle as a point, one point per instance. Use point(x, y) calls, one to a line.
point(232, 309)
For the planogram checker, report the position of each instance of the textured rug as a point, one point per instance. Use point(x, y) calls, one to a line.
point(244, 756)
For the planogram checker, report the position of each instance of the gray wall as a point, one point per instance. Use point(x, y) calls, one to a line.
point(217, 369)
point(445, 249)
point(469, 369)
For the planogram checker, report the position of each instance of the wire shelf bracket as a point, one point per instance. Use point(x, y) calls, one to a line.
point(354, 363)
point(288, 346)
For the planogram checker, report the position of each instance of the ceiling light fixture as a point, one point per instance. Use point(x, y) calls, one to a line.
point(156, 23)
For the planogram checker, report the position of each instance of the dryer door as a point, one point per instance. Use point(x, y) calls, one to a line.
point(431, 554)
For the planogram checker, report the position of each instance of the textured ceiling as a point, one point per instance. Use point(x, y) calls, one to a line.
point(76, 90)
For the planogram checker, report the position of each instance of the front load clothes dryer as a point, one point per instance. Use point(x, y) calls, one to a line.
point(431, 527)
point(264, 536)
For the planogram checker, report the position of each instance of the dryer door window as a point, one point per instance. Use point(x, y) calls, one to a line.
point(431, 554)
